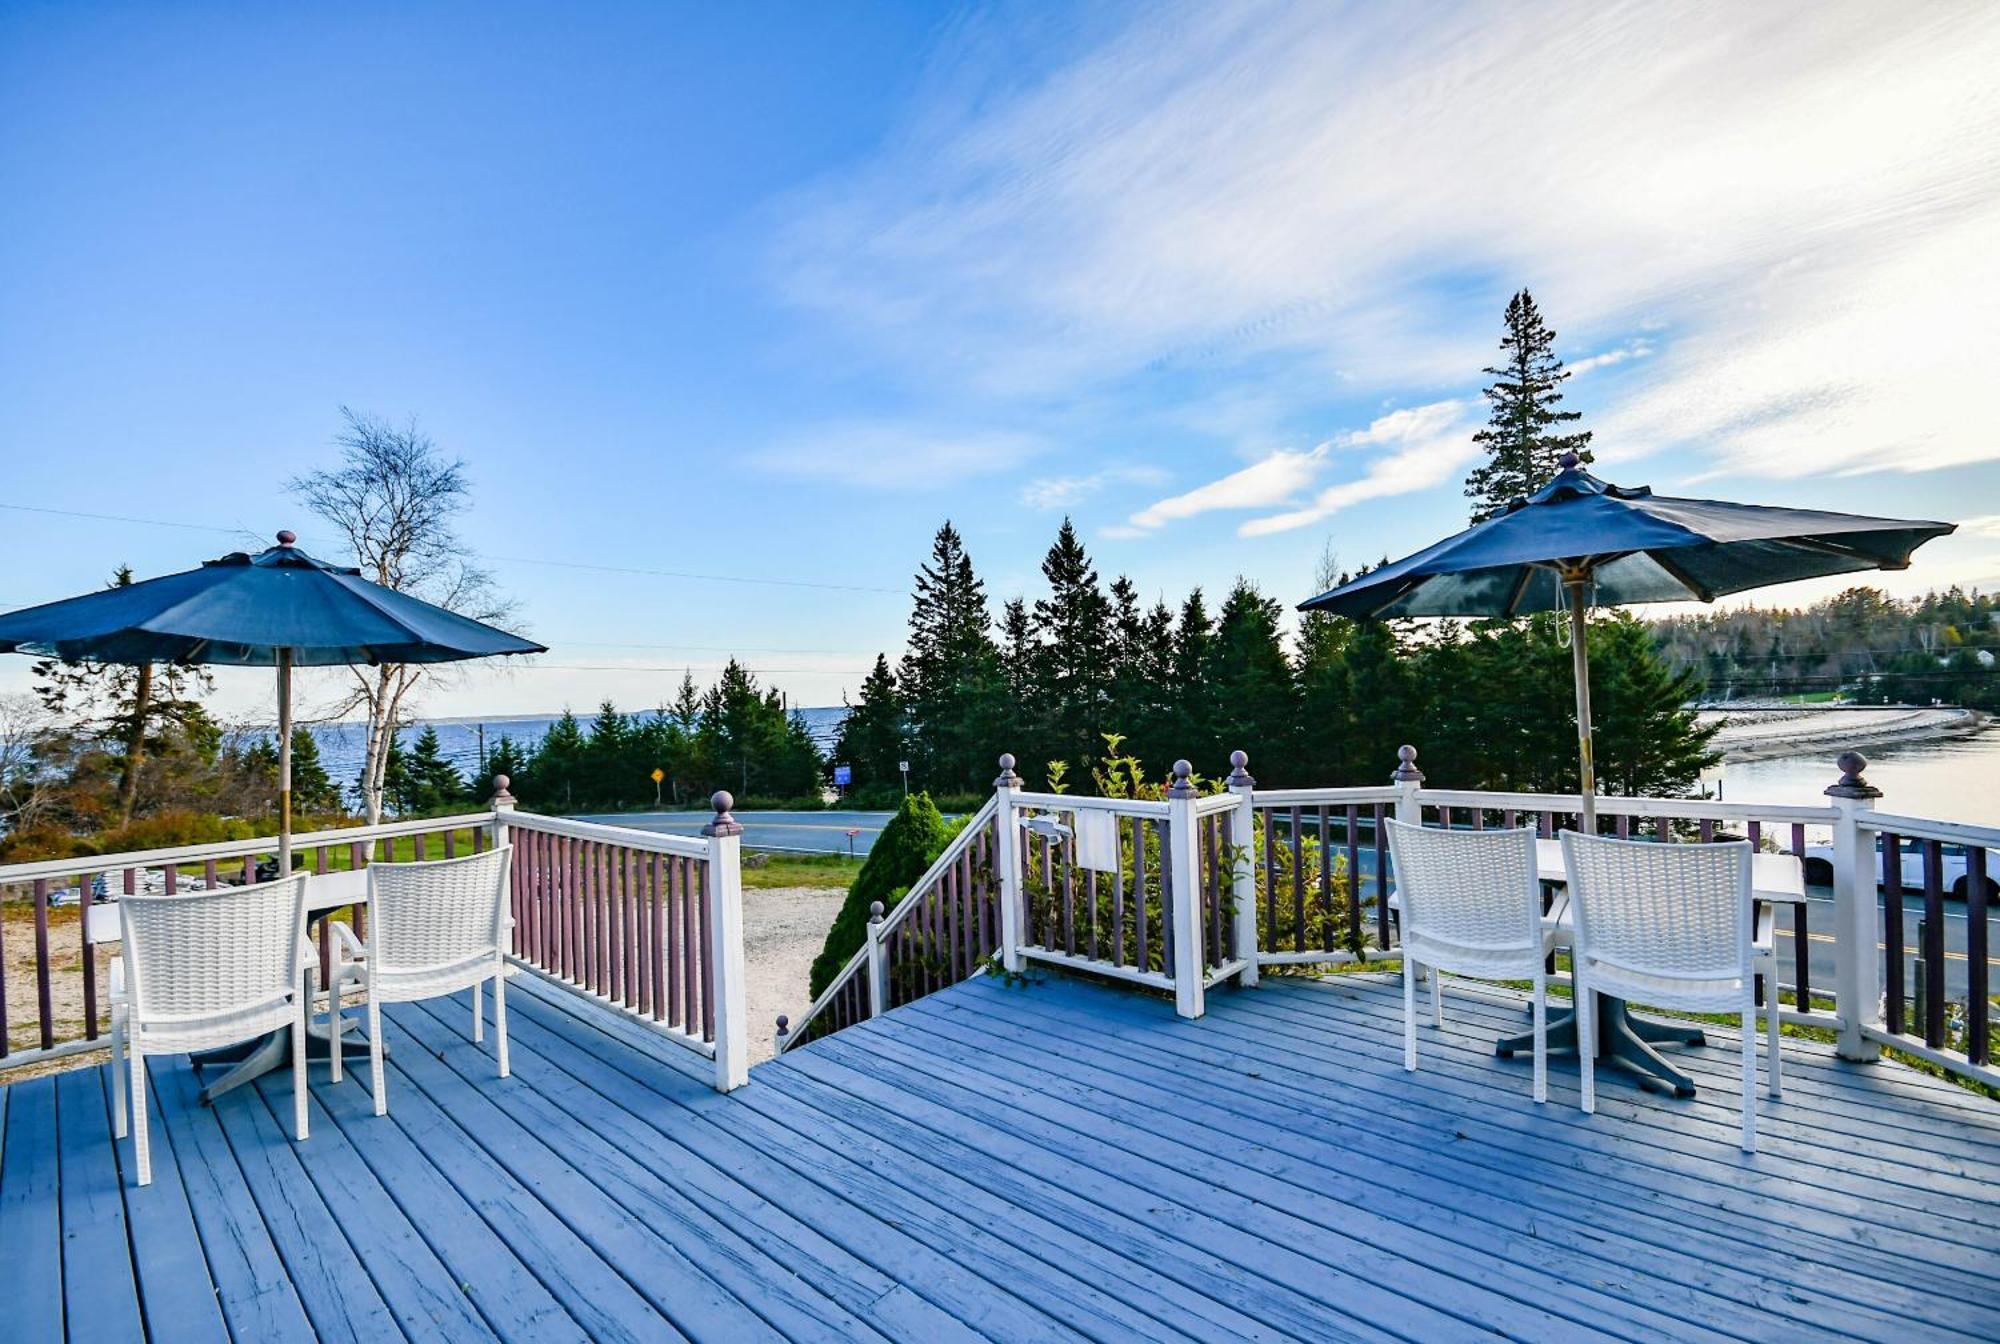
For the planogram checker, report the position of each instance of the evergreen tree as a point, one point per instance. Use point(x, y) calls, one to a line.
point(508, 757)
point(559, 764)
point(1648, 741)
point(952, 685)
point(1071, 657)
point(1197, 716)
point(427, 782)
point(1522, 438)
point(873, 737)
point(1256, 695)
point(312, 790)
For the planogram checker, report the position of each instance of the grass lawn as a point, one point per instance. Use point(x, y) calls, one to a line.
point(803, 870)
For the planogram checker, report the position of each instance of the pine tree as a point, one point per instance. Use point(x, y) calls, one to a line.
point(908, 845)
point(1648, 741)
point(952, 685)
point(427, 782)
point(1255, 690)
point(1071, 655)
point(874, 736)
point(1197, 718)
point(1521, 440)
point(312, 790)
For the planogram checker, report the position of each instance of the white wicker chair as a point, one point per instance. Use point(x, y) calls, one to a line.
point(1671, 926)
point(433, 929)
point(203, 970)
point(1470, 903)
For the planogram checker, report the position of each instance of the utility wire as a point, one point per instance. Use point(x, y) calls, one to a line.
point(507, 559)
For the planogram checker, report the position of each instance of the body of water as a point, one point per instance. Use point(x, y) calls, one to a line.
point(1955, 779)
point(343, 746)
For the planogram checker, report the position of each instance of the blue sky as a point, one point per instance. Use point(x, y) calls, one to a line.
point(768, 292)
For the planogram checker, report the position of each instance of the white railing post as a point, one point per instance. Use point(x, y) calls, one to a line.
point(1007, 859)
point(1857, 918)
point(1409, 782)
point(503, 803)
point(1184, 869)
point(878, 964)
point(1243, 864)
point(725, 946)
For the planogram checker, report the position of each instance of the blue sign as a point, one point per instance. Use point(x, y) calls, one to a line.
point(843, 775)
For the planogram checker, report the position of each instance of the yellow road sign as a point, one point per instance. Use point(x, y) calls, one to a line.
point(658, 774)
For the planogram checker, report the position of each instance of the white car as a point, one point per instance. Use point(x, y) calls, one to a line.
point(1819, 868)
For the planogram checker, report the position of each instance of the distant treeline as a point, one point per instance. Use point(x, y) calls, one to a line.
point(1942, 646)
point(735, 735)
point(1488, 704)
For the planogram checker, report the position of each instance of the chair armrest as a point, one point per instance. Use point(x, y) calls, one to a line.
point(350, 945)
point(117, 981)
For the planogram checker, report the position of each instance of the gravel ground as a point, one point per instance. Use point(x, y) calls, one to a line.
point(784, 928)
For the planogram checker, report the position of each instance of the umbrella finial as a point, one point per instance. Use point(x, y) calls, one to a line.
point(1570, 461)
point(287, 537)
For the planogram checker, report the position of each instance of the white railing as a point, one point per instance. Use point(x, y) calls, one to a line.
point(944, 929)
point(646, 923)
point(1216, 888)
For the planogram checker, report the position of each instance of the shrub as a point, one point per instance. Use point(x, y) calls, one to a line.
point(908, 845)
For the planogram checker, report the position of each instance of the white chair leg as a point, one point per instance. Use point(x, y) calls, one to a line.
point(1437, 998)
point(1750, 1077)
point(1773, 1062)
point(1541, 1036)
point(1409, 1015)
point(335, 1040)
point(142, 1150)
point(378, 1085)
point(478, 1017)
point(117, 1073)
point(299, 1067)
point(1586, 1042)
point(500, 1015)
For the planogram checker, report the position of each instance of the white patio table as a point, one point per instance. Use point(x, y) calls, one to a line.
point(1623, 1040)
point(326, 893)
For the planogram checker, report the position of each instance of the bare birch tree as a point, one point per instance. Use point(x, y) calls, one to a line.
point(395, 500)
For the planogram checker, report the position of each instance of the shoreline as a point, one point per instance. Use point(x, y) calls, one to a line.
point(1816, 730)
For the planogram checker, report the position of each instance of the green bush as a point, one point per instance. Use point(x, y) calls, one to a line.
point(908, 845)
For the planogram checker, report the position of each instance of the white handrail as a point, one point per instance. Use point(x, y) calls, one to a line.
point(1923, 828)
point(904, 909)
point(1314, 797)
point(236, 849)
point(1622, 805)
point(1077, 802)
point(653, 842)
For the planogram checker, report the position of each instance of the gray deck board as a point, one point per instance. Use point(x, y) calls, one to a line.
point(1060, 1160)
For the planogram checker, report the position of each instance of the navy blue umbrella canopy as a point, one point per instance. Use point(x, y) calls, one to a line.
point(243, 609)
point(279, 608)
point(1629, 545)
point(1580, 541)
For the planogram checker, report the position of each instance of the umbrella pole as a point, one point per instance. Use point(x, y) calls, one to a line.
point(1574, 584)
point(284, 763)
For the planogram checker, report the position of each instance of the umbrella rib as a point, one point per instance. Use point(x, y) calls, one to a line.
point(1681, 576)
point(1826, 547)
point(1520, 590)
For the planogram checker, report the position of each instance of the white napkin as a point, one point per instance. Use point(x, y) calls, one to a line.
point(1096, 840)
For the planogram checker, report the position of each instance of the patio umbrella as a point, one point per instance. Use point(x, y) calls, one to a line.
point(1580, 540)
point(279, 608)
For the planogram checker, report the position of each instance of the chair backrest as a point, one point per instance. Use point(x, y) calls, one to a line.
point(1676, 910)
point(439, 913)
point(1471, 888)
point(208, 954)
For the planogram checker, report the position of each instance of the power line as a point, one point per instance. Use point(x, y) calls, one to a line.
point(691, 575)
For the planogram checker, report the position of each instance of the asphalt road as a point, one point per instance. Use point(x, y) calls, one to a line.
point(795, 832)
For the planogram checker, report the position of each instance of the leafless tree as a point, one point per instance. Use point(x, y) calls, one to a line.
point(396, 499)
point(24, 722)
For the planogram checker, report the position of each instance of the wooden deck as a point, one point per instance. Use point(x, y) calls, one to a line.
point(1022, 1163)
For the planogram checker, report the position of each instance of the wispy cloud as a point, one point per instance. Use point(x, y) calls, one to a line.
point(1801, 202)
point(1605, 358)
point(1066, 492)
point(894, 456)
point(1428, 443)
